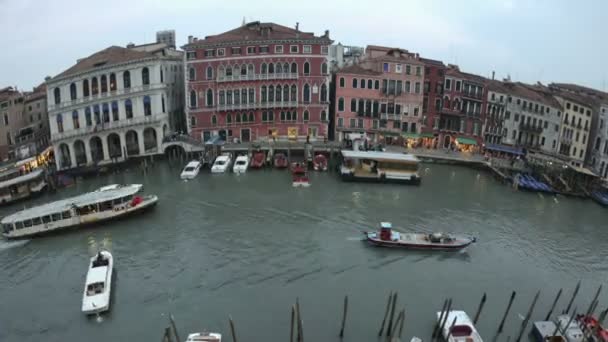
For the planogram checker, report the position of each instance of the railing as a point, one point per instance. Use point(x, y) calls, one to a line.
point(530, 128)
point(255, 105)
point(140, 120)
point(258, 77)
point(473, 95)
point(96, 97)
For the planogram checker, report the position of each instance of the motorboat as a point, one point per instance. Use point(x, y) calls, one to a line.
point(462, 329)
point(593, 325)
point(299, 175)
point(96, 295)
point(569, 328)
point(241, 163)
point(387, 237)
point(106, 203)
point(280, 161)
point(221, 163)
point(191, 170)
point(204, 337)
point(257, 161)
point(379, 167)
point(319, 162)
point(546, 331)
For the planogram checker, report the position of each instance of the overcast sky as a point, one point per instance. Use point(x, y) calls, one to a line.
point(530, 40)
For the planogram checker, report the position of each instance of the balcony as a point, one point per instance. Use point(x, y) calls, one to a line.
point(107, 126)
point(530, 128)
point(387, 116)
point(258, 77)
point(257, 105)
point(100, 97)
point(473, 95)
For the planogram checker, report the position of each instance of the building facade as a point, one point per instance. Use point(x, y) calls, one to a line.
point(11, 118)
point(114, 104)
point(33, 137)
point(381, 95)
point(166, 37)
point(259, 81)
point(434, 79)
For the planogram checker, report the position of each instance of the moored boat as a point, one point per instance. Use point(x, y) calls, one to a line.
point(98, 284)
point(257, 161)
point(569, 328)
point(546, 331)
point(593, 327)
point(204, 337)
point(387, 237)
point(103, 204)
point(191, 170)
point(280, 161)
point(299, 175)
point(379, 167)
point(241, 164)
point(462, 330)
point(319, 162)
point(221, 163)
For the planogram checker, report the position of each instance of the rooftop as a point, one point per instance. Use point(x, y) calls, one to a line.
point(357, 69)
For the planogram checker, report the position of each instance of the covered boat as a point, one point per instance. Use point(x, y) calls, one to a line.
point(96, 296)
point(109, 202)
point(280, 161)
point(257, 160)
point(319, 162)
point(379, 167)
point(241, 164)
point(546, 331)
point(462, 330)
point(204, 337)
point(299, 175)
point(387, 237)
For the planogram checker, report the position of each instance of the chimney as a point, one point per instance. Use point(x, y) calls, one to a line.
point(326, 34)
point(190, 39)
point(297, 26)
point(130, 46)
point(48, 78)
point(493, 75)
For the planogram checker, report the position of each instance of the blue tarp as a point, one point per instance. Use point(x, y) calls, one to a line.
point(503, 148)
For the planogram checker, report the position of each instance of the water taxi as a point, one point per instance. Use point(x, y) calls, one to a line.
point(241, 164)
point(380, 167)
point(570, 328)
point(96, 295)
point(462, 330)
point(221, 163)
point(299, 175)
point(204, 337)
point(319, 162)
point(103, 204)
point(191, 170)
point(387, 237)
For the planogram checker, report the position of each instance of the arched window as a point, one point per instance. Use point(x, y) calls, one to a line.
point(294, 68)
point(191, 74)
point(228, 71)
point(209, 73)
point(324, 70)
point(306, 116)
point(85, 88)
point(286, 67)
point(244, 70)
point(353, 105)
point(115, 111)
point(222, 97)
point(306, 68)
point(279, 68)
point(341, 104)
point(250, 70)
point(355, 83)
point(237, 117)
point(324, 116)
point(271, 68)
point(209, 100)
point(104, 84)
point(97, 114)
point(214, 120)
point(192, 99)
point(263, 69)
point(87, 116)
point(264, 94)
point(126, 79)
point(244, 117)
point(286, 93)
point(106, 112)
point(57, 93)
point(251, 117)
point(112, 82)
point(162, 79)
point(294, 93)
point(228, 119)
point(72, 91)
point(362, 84)
point(377, 84)
point(59, 123)
point(271, 93)
point(323, 93)
point(147, 106)
point(341, 82)
point(369, 84)
point(306, 93)
point(145, 76)
point(94, 86)
point(279, 92)
point(446, 102)
point(75, 120)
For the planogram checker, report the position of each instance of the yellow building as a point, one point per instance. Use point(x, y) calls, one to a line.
point(575, 127)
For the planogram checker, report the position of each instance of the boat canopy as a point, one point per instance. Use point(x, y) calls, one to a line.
point(380, 156)
point(504, 148)
point(386, 225)
point(215, 140)
point(97, 275)
point(21, 179)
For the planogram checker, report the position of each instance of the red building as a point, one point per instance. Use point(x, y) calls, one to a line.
point(434, 79)
point(258, 81)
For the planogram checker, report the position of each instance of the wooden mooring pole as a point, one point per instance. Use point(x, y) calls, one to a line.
point(344, 316)
point(172, 320)
point(447, 338)
point(388, 305)
point(293, 314)
point(389, 329)
point(299, 322)
point(578, 286)
point(559, 294)
point(480, 308)
point(504, 317)
point(591, 306)
point(443, 311)
point(231, 329)
point(524, 324)
point(167, 335)
point(445, 319)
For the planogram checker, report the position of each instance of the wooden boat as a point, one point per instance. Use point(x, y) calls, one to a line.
point(319, 162)
point(257, 161)
point(463, 329)
point(106, 203)
point(280, 161)
point(387, 237)
point(546, 331)
point(299, 175)
point(379, 167)
point(96, 295)
point(204, 337)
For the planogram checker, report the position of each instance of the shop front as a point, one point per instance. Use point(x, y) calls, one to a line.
point(419, 140)
point(466, 145)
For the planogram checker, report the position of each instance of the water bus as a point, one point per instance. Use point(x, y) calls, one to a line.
point(379, 167)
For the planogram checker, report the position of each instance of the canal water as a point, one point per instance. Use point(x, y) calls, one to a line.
point(248, 245)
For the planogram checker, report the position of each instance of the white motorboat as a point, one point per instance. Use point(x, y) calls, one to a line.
point(204, 337)
point(222, 163)
point(108, 202)
point(463, 329)
point(191, 170)
point(96, 295)
point(569, 328)
point(241, 164)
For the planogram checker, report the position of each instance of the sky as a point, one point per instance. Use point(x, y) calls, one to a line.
point(528, 40)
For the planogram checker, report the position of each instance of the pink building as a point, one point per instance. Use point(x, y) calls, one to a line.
point(258, 81)
point(380, 96)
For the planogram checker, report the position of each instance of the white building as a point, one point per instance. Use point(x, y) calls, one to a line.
point(115, 104)
point(599, 151)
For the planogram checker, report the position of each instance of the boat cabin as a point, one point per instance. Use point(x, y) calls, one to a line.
point(386, 229)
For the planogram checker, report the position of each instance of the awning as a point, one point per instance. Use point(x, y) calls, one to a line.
point(410, 135)
point(466, 141)
point(503, 148)
point(427, 135)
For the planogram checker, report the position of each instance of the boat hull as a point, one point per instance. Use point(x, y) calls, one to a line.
point(373, 240)
point(99, 303)
point(407, 181)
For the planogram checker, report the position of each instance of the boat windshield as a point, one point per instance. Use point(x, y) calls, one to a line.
point(461, 331)
point(189, 169)
point(240, 162)
point(94, 289)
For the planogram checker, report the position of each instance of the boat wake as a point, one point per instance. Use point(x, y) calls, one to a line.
point(354, 238)
point(4, 245)
point(99, 319)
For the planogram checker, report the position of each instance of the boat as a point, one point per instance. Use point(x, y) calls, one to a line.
point(319, 162)
point(299, 175)
point(96, 295)
point(379, 167)
point(103, 204)
point(569, 328)
point(221, 163)
point(280, 161)
point(191, 170)
point(241, 164)
point(17, 184)
point(462, 330)
point(593, 325)
point(600, 196)
point(204, 337)
point(546, 331)
point(257, 161)
point(387, 237)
